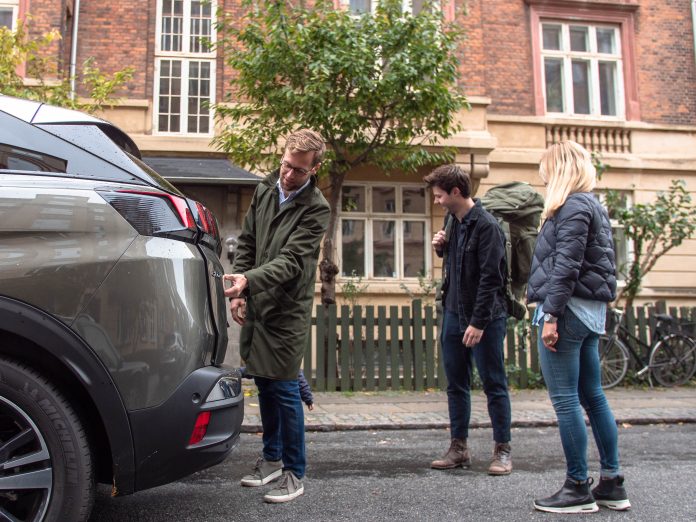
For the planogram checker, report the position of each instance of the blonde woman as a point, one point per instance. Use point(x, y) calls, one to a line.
point(573, 278)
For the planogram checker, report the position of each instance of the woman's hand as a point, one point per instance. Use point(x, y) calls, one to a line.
point(549, 336)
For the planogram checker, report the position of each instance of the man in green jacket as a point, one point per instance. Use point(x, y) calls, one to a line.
point(272, 294)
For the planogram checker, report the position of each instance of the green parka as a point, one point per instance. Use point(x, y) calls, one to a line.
point(277, 252)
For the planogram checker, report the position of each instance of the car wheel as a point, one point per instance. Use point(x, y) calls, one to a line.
point(45, 462)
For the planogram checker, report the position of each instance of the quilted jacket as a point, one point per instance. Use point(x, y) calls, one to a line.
point(573, 256)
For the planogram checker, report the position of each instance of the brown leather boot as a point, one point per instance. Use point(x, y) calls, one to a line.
point(502, 461)
point(457, 456)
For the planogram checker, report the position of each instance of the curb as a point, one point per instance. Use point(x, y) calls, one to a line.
point(384, 426)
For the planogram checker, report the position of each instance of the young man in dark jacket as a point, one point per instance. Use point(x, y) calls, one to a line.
point(272, 293)
point(475, 313)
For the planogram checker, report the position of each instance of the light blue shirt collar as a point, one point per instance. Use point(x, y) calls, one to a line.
point(292, 195)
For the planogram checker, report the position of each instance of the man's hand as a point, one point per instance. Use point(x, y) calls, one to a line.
point(439, 240)
point(239, 283)
point(472, 336)
point(238, 310)
point(549, 336)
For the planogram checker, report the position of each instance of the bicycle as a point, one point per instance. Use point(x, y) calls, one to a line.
point(671, 356)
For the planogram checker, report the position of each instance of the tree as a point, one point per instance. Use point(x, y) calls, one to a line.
point(654, 228)
point(380, 88)
point(17, 48)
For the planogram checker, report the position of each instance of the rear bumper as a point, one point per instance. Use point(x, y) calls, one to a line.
point(161, 434)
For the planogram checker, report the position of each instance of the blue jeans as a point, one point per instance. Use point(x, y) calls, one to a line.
point(490, 362)
point(282, 418)
point(572, 375)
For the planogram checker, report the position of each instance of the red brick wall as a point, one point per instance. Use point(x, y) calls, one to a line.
point(495, 56)
point(496, 59)
point(665, 62)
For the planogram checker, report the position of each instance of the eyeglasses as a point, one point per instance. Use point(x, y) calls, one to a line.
point(287, 167)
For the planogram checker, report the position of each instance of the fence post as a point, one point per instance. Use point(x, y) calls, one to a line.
point(345, 348)
point(357, 349)
point(406, 345)
point(331, 350)
point(382, 346)
point(370, 348)
point(320, 382)
point(418, 349)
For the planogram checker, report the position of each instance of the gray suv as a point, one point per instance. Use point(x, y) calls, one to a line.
point(112, 319)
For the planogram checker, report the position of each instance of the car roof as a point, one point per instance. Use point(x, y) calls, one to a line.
point(82, 131)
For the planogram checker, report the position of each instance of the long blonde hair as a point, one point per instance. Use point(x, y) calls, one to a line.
point(565, 168)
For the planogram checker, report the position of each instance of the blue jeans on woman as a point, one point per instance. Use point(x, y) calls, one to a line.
point(490, 362)
point(282, 418)
point(572, 375)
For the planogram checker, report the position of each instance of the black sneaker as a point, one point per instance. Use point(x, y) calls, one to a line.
point(611, 493)
point(573, 497)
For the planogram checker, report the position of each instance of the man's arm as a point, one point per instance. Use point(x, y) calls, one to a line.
point(491, 254)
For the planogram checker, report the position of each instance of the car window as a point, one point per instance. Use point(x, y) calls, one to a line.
point(16, 158)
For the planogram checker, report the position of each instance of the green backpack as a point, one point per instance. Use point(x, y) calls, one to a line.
point(517, 207)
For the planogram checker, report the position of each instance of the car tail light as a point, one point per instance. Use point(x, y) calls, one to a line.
point(200, 427)
point(154, 213)
point(208, 224)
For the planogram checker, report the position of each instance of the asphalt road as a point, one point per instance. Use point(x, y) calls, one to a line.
point(384, 476)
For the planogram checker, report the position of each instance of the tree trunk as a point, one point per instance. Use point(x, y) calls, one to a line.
point(327, 267)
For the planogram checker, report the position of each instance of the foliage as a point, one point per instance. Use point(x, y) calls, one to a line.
point(427, 289)
point(352, 289)
point(599, 165)
point(379, 88)
point(654, 229)
point(17, 48)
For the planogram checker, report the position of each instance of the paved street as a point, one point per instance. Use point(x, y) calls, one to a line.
point(376, 475)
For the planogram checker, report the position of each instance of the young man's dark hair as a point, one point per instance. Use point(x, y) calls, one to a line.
point(447, 177)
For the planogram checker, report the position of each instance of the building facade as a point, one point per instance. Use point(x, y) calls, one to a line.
point(617, 76)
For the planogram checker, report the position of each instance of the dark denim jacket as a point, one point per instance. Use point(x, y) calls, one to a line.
point(481, 265)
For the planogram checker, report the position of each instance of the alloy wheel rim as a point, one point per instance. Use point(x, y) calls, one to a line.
point(26, 472)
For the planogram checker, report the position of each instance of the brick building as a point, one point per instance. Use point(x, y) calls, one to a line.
point(615, 75)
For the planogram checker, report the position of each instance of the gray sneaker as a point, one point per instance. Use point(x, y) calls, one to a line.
point(289, 487)
point(264, 472)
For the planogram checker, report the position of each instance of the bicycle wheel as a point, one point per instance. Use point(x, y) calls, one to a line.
point(613, 360)
point(673, 360)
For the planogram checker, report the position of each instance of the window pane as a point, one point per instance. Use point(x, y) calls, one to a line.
point(359, 6)
point(383, 251)
point(6, 17)
point(353, 243)
point(578, 39)
point(581, 87)
point(383, 199)
point(607, 88)
point(171, 26)
point(620, 250)
point(605, 40)
point(551, 35)
point(553, 76)
point(353, 199)
point(414, 248)
point(414, 200)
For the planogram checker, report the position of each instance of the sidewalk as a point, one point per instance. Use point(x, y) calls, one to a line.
point(428, 410)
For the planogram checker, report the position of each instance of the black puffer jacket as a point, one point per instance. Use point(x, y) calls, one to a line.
point(573, 256)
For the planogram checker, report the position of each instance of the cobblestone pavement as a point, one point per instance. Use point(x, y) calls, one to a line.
point(427, 410)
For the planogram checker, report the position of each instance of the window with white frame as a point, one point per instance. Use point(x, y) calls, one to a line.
point(184, 67)
point(359, 7)
point(383, 231)
point(582, 69)
point(8, 14)
point(623, 248)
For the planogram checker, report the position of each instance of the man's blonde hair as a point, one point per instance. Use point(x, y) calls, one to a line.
point(306, 140)
point(565, 168)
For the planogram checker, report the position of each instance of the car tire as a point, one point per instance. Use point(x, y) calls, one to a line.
point(43, 448)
